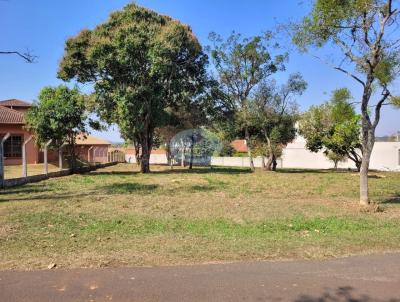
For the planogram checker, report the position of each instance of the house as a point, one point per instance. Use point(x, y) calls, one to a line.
point(92, 149)
point(239, 145)
point(12, 120)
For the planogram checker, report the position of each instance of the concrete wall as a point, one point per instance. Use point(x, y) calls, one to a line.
point(385, 157)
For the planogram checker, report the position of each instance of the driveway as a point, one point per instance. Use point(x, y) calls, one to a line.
point(361, 278)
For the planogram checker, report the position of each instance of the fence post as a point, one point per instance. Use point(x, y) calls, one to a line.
point(24, 159)
point(46, 164)
point(60, 159)
point(2, 158)
point(88, 154)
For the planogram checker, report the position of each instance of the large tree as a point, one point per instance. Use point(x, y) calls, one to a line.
point(140, 63)
point(273, 114)
point(334, 127)
point(365, 32)
point(59, 115)
point(242, 64)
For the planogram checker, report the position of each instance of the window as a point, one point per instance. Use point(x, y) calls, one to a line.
point(13, 146)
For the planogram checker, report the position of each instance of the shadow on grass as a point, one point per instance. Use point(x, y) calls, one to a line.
point(214, 170)
point(392, 200)
point(24, 189)
point(125, 188)
point(301, 171)
point(342, 294)
point(201, 188)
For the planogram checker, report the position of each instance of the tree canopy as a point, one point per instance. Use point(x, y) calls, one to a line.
point(140, 63)
point(273, 114)
point(241, 65)
point(334, 127)
point(59, 115)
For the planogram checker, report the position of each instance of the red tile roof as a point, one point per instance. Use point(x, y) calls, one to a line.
point(11, 116)
point(16, 103)
point(239, 145)
point(90, 140)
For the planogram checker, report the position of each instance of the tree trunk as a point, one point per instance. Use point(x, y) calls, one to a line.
point(358, 166)
point(335, 164)
point(136, 146)
point(146, 145)
point(368, 140)
point(168, 154)
point(191, 152)
point(72, 154)
point(268, 166)
point(274, 163)
point(247, 135)
point(353, 156)
point(364, 194)
point(270, 161)
point(263, 162)
point(145, 159)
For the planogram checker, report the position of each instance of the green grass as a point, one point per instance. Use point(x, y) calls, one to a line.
point(117, 217)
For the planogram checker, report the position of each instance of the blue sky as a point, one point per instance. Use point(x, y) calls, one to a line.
point(44, 25)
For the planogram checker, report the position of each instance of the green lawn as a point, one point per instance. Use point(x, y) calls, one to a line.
point(116, 216)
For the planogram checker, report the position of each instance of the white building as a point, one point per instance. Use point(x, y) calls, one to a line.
point(385, 157)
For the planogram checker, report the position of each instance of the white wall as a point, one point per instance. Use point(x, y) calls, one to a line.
point(157, 159)
point(385, 157)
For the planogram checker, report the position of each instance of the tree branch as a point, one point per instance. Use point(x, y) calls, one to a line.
point(28, 57)
point(385, 95)
point(340, 69)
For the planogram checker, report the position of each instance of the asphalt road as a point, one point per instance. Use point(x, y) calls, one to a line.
point(361, 278)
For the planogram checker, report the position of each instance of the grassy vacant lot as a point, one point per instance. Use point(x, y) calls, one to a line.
point(16, 171)
point(116, 216)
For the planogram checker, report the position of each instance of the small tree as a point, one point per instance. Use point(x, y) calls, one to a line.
point(59, 115)
point(333, 126)
point(273, 114)
point(335, 158)
point(242, 64)
point(141, 63)
point(363, 31)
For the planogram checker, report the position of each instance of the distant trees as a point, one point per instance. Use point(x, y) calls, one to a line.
point(140, 63)
point(241, 65)
point(363, 32)
point(334, 127)
point(59, 115)
point(273, 113)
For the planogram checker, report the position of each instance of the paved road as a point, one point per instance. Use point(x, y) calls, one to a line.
point(364, 278)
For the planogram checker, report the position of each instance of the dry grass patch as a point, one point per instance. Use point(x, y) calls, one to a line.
point(117, 216)
point(16, 171)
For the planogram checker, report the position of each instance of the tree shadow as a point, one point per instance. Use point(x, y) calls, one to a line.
point(210, 170)
point(301, 171)
point(126, 188)
point(213, 170)
point(24, 189)
point(392, 200)
point(342, 294)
